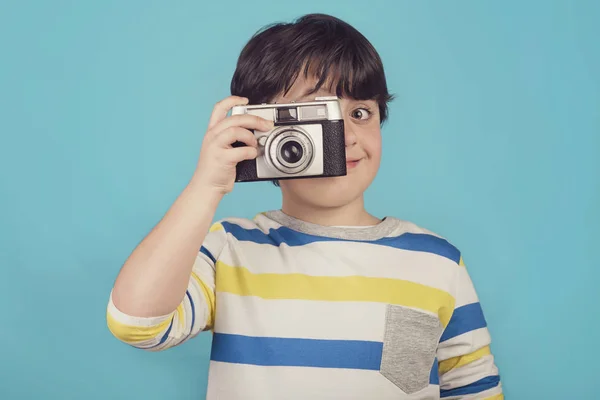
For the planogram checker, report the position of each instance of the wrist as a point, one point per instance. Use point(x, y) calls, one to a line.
point(209, 194)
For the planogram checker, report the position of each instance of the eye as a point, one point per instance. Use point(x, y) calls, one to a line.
point(361, 113)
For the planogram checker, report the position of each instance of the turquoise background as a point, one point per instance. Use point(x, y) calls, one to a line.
point(493, 142)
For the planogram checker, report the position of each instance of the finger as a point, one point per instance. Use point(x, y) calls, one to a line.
point(247, 121)
point(221, 109)
point(235, 134)
point(238, 154)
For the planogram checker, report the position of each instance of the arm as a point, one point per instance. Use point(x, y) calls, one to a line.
point(466, 364)
point(153, 281)
point(165, 282)
point(195, 313)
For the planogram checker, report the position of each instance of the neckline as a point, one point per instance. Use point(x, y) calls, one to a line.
point(374, 232)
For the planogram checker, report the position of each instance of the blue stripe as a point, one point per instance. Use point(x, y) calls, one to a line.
point(475, 387)
point(208, 254)
point(272, 351)
point(406, 241)
point(464, 319)
point(434, 377)
point(166, 334)
point(193, 309)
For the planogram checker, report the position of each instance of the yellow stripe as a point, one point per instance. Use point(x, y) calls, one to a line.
point(135, 334)
point(461, 262)
point(216, 227)
point(495, 397)
point(240, 281)
point(209, 296)
point(457, 362)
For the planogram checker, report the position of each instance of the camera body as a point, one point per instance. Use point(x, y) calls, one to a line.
point(307, 141)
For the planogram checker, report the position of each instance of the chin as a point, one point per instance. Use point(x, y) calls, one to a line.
point(325, 192)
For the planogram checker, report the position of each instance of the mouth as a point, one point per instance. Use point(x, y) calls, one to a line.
point(352, 163)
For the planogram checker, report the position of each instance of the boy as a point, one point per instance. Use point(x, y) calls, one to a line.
point(318, 300)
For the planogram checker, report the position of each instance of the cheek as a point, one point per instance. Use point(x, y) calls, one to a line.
point(372, 144)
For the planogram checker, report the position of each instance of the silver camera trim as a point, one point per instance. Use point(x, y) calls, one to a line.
point(277, 138)
point(309, 116)
point(331, 105)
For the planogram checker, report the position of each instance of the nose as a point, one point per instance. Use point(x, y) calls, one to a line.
point(349, 135)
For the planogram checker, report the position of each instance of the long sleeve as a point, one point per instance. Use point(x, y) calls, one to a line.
point(194, 314)
point(466, 364)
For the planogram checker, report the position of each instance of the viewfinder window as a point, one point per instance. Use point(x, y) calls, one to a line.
point(287, 114)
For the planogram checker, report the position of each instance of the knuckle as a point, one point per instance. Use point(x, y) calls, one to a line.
point(224, 131)
point(238, 134)
point(224, 103)
point(251, 119)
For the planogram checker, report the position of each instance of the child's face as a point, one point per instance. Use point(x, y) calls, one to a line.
point(363, 153)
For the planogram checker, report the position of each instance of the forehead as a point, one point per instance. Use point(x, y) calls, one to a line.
point(303, 89)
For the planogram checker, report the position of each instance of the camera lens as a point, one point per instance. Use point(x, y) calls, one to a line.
point(291, 152)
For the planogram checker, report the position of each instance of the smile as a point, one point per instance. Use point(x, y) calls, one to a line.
point(352, 163)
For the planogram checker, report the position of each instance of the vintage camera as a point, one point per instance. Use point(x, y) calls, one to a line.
point(307, 140)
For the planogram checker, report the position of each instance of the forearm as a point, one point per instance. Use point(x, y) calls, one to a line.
point(154, 279)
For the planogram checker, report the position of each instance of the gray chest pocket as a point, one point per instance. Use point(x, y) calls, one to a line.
point(409, 347)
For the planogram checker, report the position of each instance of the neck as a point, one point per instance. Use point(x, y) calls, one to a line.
point(351, 214)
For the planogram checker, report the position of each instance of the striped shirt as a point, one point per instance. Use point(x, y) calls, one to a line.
point(303, 311)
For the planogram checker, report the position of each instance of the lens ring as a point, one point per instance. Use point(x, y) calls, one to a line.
point(278, 139)
point(291, 152)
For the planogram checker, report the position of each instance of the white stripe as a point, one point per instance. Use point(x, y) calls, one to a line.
point(204, 264)
point(300, 383)
point(465, 292)
point(125, 319)
point(335, 258)
point(464, 344)
point(204, 268)
point(183, 330)
point(469, 373)
point(214, 242)
point(149, 344)
point(254, 316)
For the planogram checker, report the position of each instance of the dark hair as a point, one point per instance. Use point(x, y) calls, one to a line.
point(331, 49)
point(319, 45)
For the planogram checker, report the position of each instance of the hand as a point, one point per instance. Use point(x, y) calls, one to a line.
point(218, 158)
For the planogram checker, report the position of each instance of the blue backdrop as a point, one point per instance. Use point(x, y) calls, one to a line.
point(493, 141)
